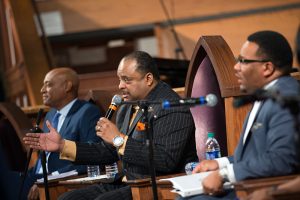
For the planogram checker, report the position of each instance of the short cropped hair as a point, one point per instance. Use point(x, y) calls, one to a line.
point(145, 63)
point(274, 46)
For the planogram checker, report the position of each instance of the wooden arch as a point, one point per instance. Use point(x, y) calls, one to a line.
point(211, 71)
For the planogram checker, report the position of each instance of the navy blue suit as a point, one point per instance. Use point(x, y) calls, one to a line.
point(79, 125)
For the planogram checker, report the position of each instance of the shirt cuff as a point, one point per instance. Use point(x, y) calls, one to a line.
point(222, 162)
point(231, 176)
point(55, 173)
point(69, 151)
point(122, 147)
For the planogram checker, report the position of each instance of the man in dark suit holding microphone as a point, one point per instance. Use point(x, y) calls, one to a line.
point(173, 133)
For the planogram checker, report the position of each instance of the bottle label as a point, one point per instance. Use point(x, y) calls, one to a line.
point(212, 155)
point(190, 167)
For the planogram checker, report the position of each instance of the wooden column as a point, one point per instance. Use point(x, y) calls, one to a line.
point(32, 64)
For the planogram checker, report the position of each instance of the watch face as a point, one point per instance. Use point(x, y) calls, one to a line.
point(118, 141)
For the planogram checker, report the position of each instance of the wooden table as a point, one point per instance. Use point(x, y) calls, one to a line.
point(60, 186)
point(244, 188)
point(142, 188)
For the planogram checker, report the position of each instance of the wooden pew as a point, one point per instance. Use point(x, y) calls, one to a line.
point(246, 187)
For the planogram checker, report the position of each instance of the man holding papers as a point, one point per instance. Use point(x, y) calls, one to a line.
point(267, 146)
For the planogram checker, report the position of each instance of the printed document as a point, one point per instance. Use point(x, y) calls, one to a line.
point(189, 185)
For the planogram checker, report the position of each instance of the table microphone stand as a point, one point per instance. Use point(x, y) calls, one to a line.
point(43, 161)
point(149, 143)
point(36, 129)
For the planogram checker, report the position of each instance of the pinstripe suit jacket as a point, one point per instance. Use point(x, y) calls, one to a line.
point(173, 139)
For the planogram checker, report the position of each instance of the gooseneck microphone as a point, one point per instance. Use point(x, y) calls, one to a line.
point(115, 102)
point(208, 100)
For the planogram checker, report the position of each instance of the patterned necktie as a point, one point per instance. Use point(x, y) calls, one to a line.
point(54, 123)
point(135, 111)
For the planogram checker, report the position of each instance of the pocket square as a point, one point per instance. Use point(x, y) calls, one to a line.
point(256, 126)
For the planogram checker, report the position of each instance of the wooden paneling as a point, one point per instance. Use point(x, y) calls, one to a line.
point(234, 30)
point(234, 122)
point(25, 62)
point(108, 81)
point(36, 65)
point(100, 14)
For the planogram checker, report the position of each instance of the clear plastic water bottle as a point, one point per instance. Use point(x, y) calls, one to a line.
point(111, 170)
point(212, 147)
point(93, 170)
point(189, 167)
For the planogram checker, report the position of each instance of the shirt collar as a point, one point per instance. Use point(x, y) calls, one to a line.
point(65, 110)
point(270, 85)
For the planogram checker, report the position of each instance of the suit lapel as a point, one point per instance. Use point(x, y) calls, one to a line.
point(67, 120)
point(241, 146)
point(125, 124)
point(136, 119)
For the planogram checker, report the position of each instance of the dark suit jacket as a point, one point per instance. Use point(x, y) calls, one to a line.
point(173, 139)
point(270, 148)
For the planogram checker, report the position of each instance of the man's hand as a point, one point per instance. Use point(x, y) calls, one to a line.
point(213, 183)
point(51, 141)
point(206, 165)
point(107, 130)
point(33, 193)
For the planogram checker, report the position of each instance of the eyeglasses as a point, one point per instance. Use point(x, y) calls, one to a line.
point(246, 61)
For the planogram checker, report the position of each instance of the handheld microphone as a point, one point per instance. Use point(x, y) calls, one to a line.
point(209, 100)
point(115, 102)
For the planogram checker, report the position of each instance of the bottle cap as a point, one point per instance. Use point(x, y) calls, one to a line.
point(210, 135)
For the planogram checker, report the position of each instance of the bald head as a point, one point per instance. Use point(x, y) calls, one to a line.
point(68, 75)
point(60, 87)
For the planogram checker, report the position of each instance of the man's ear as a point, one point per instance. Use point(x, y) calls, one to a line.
point(68, 86)
point(149, 79)
point(268, 69)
